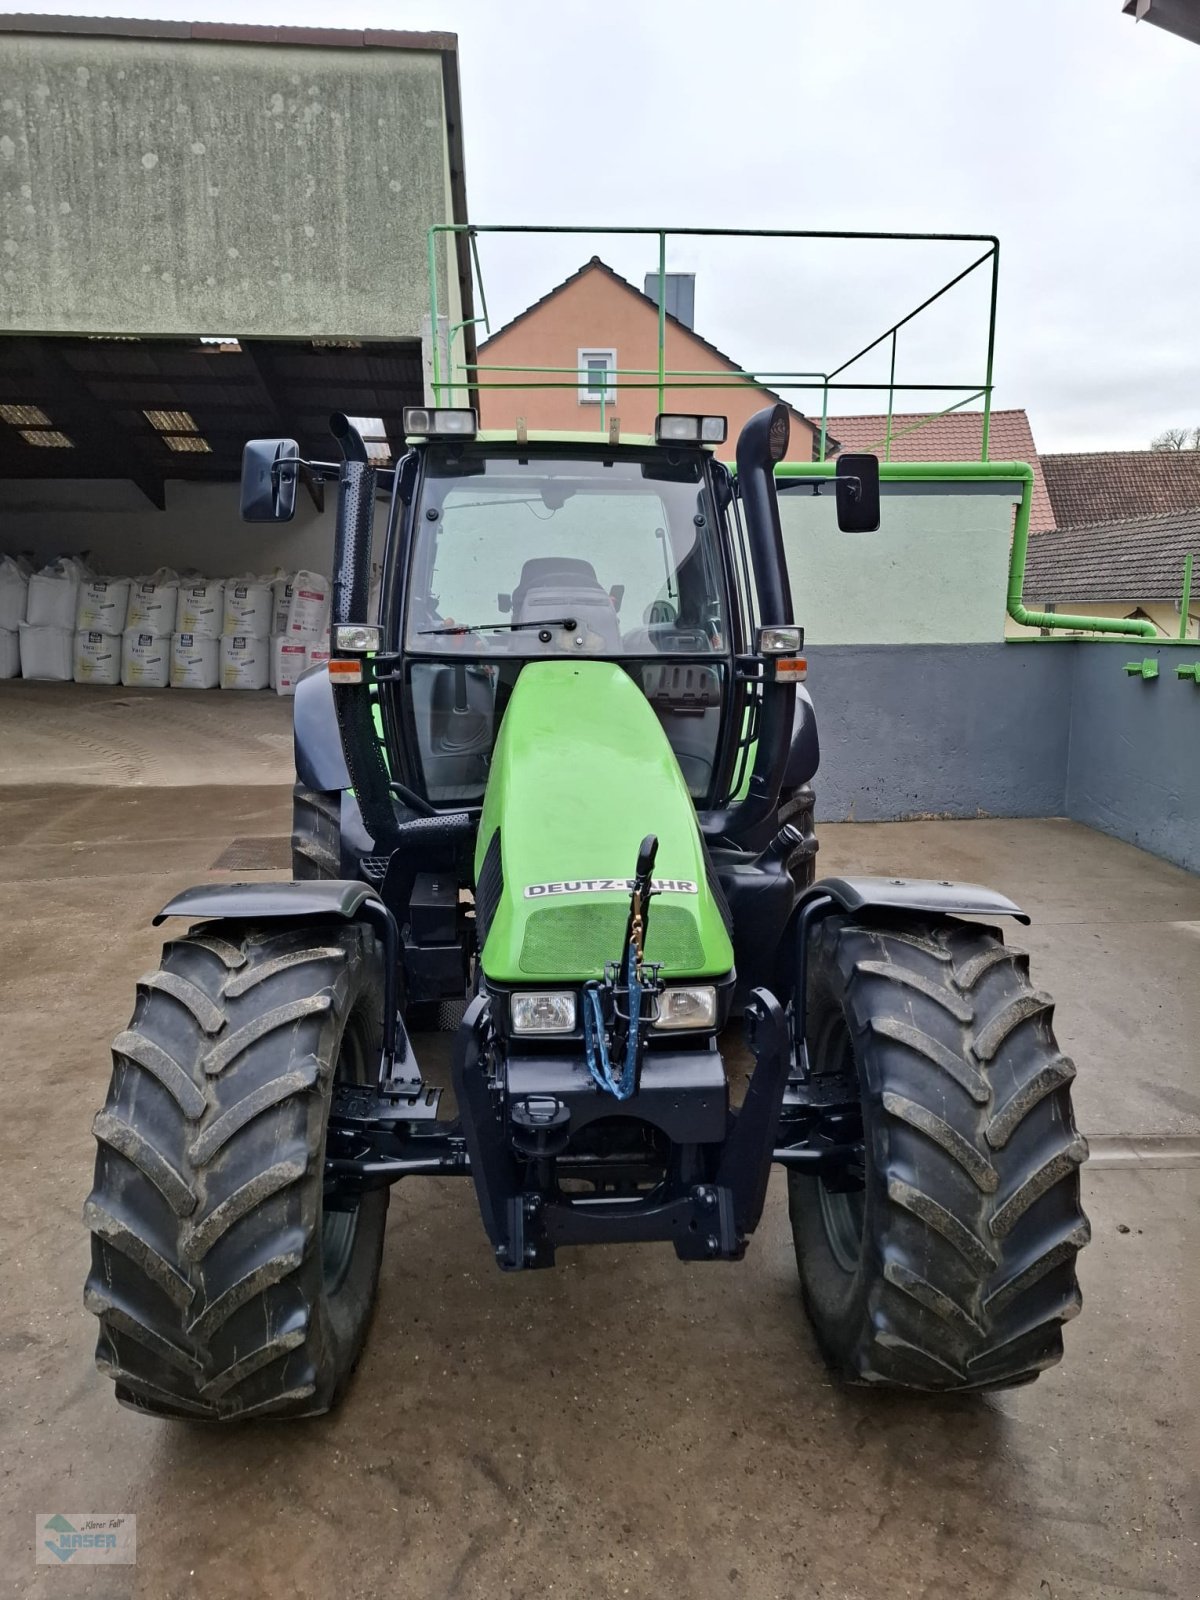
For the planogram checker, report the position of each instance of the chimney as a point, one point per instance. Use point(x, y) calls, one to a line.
point(680, 290)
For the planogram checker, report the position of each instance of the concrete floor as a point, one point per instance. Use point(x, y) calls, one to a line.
point(625, 1425)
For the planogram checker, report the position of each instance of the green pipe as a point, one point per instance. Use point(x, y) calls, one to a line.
point(993, 251)
point(454, 330)
point(916, 311)
point(738, 373)
point(733, 380)
point(933, 471)
point(931, 417)
point(916, 471)
point(479, 280)
point(711, 233)
point(1185, 599)
point(433, 317)
point(887, 443)
point(662, 318)
point(1052, 619)
point(991, 350)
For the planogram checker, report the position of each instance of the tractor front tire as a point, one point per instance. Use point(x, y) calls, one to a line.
point(953, 1267)
point(316, 833)
point(224, 1286)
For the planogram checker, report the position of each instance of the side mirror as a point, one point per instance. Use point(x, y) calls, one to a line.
point(270, 473)
point(857, 492)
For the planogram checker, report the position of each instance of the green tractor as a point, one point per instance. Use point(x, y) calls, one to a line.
point(556, 796)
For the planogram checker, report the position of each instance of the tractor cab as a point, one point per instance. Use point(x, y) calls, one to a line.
point(554, 548)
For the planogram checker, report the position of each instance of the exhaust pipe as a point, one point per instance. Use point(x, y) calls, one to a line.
point(355, 521)
point(763, 442)
point(348, 603)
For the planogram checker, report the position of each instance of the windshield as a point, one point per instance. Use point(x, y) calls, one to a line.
point(611, 555)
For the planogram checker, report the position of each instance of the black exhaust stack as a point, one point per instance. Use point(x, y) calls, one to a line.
point(351, 595)
point(355, 521)
point(763, 442)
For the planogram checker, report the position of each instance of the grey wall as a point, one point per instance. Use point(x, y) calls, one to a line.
point(940, 730)
point(1011, 730)
point(1134, 768)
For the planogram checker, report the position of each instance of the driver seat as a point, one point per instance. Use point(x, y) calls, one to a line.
point(553, 586)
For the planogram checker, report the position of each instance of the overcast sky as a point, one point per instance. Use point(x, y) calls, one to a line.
point(1059, 125)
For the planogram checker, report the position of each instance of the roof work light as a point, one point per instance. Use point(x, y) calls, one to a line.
point(458, 424)
point(672, 428)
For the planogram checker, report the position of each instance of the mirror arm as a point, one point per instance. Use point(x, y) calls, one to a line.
point(315, 474)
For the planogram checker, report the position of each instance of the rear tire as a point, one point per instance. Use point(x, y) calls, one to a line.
point(316, 833)
point(954, 1266)
point(224, 1287)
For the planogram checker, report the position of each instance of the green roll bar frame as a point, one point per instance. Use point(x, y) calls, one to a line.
point(477, 376)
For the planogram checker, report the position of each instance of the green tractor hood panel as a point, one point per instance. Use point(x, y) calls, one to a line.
point(582, 771)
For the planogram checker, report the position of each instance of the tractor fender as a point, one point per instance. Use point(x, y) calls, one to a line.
point(347, 898)
point(853, 895)
point(804, 756)
point(320, 759)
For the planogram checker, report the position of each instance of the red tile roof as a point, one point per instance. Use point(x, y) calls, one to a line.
point(956, 437)
point(1108, 485)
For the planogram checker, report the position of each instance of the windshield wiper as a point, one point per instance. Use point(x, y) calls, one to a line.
point(506, 627)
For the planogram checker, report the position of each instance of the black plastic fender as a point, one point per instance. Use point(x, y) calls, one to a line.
point(328, 897)
point(804, 756)
point(320, 759)
point(914, 894)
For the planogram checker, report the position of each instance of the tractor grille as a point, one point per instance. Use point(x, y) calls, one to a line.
point(489, 888)
point(580, 939)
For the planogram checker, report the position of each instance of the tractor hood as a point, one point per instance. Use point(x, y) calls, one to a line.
point(581, 772)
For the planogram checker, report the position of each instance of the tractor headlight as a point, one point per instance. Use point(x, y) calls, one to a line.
point(356, 639)
point(690, 1007)
point(547, 1011)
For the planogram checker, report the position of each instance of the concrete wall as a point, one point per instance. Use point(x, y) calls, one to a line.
point(940, 730)
point(124, 535)
point(935, 573)
point(1011, 730)
point(1134, 768)
point(190, 187)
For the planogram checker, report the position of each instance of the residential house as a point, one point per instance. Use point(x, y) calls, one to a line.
point(598, 326)
point(1129, 568)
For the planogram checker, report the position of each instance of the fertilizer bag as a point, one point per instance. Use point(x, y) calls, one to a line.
point(14, 589)
point(103, 604)
point(153, 601)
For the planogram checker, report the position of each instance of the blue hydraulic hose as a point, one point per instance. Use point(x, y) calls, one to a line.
point(594, 1043)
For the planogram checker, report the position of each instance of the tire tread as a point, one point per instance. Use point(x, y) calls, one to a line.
point(973, 1159)
point(206, 1252)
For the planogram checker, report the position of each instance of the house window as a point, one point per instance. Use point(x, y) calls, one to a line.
point(596, 376)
